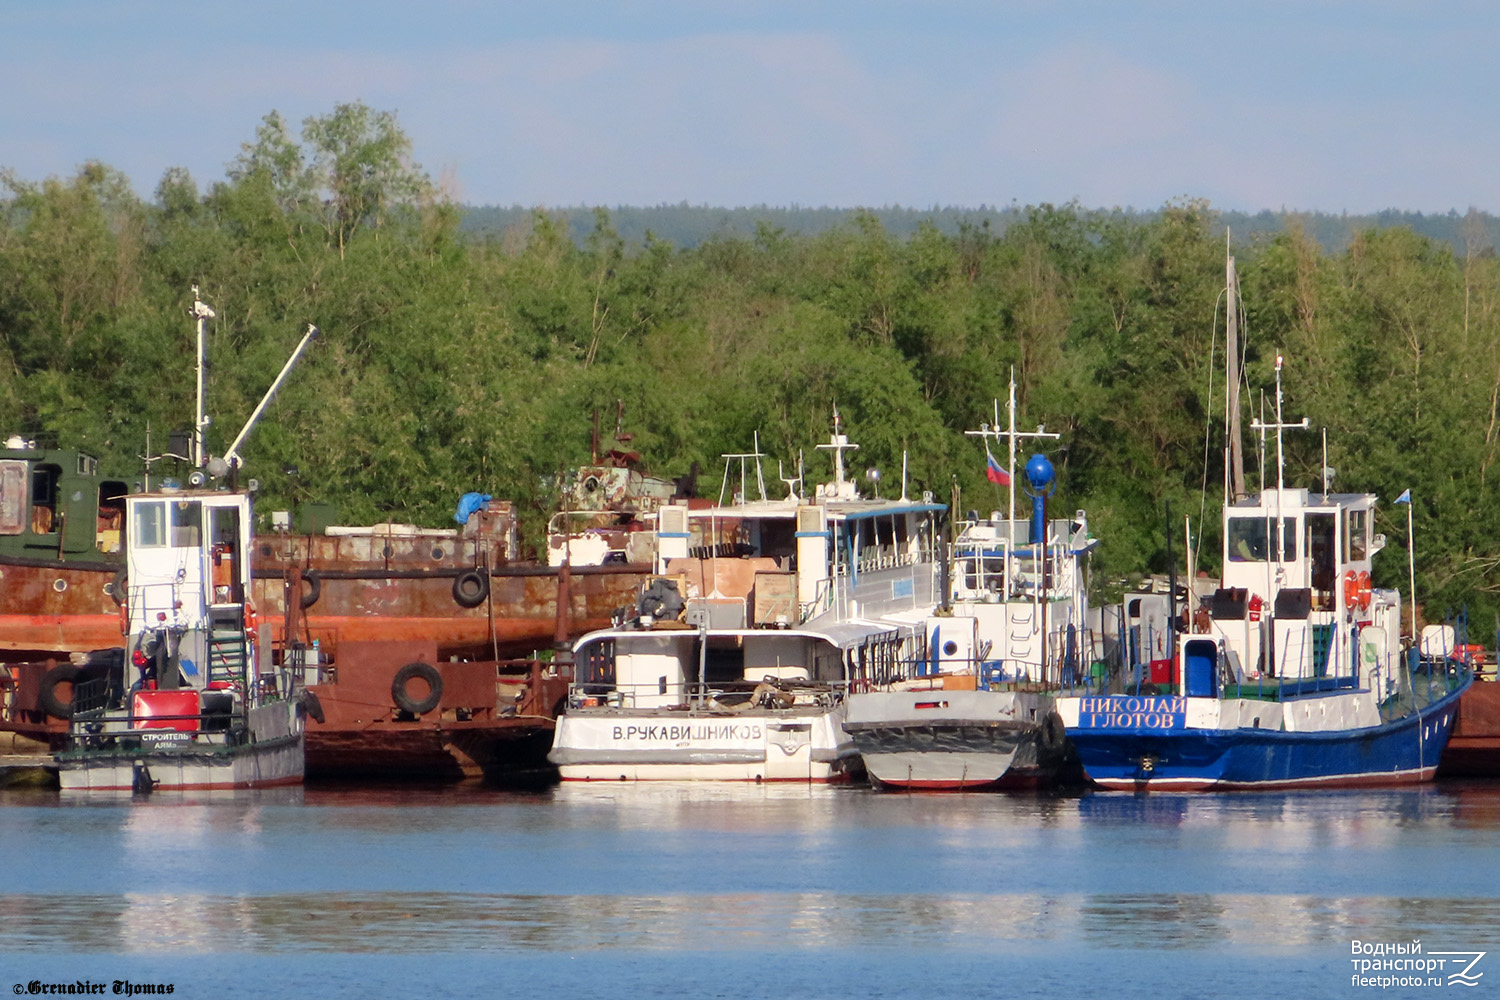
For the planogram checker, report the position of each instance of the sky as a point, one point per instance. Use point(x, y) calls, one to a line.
point(1304, 106)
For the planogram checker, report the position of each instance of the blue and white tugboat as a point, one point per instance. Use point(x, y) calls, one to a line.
point(1295, 677)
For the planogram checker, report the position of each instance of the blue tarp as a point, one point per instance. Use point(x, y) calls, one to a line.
point(468, 504)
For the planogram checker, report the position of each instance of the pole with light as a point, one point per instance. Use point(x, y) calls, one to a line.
point(1411, 562)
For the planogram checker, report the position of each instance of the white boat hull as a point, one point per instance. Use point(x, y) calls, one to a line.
point(274, 756)
point(624, 745)
point(943, 739)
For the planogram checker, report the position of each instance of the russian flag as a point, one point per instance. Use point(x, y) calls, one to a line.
point(993, 471)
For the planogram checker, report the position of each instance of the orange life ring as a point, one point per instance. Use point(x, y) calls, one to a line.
point(1364, 591)
point(1351, 590)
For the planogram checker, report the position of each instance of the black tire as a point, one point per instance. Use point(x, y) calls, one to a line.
point(63, 673)
point(314, 588)
point(470, 588)
point(402, 697)
point(1054, 733)
point(311, 706)
point(119, 587)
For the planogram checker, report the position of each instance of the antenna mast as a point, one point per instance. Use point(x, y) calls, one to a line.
point(200, 313)
point(1232, 387)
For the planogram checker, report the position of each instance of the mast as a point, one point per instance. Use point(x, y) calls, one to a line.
point(200, 313)
point(1232, 385)
point(1012, 435)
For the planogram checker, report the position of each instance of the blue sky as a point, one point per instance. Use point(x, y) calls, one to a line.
point(1326, 106)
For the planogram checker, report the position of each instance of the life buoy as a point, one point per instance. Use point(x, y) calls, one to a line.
point(470, 588)
point(47, 699)
point(1351, 590)
point(1054, 733)
point(119, 587)
point(402, 697)
point(1363, 585)
point(314, 588)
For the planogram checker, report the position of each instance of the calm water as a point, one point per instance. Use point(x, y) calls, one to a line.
point(625, 891)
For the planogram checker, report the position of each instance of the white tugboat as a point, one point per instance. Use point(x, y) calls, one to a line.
point(196, 705)
point(196, 702)
point(737, 662)
point(977, 711)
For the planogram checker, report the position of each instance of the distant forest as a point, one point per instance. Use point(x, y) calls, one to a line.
point(471, 349)
point(688, 226)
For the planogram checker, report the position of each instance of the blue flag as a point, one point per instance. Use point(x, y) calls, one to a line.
point(1405, 497)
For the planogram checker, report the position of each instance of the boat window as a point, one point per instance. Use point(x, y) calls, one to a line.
point(150, 525)
point(111, 518)
point(13, 499)
point(1321, 552)
point(868, 550)
point(187, 524)
point(44, 499)
point(1248, 535)
point(1357, 534)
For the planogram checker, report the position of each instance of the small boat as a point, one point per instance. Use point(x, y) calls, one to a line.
point(976, 712)
point(203, 708)
point(1293, 674)
point(737, 660)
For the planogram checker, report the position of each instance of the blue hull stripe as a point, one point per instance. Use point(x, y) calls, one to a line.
point(1406, 749)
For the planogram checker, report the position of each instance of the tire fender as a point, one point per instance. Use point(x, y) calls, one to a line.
point(470, 588)
point(1054, 733)
point(402, 696)
point(47, 699)
point(314, 588)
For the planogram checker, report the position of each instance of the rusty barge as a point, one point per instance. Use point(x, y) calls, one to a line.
point(411, 638)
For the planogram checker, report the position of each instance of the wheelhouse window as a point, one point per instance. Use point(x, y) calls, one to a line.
point(1320, 549)
point(1251, 538)
point(187, 524)
point(150, 525)
point(1357, 534)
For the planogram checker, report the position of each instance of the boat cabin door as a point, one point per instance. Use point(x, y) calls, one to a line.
point(226, 556)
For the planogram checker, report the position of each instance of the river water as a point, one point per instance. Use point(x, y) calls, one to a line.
point(625, 891)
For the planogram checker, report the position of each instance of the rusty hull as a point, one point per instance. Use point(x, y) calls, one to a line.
point(381, 602)
point(494, 719)
point(1474, 747)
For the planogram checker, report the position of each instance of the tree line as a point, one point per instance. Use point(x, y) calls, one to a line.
point(454, 361)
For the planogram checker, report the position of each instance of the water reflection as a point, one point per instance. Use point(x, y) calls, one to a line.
point(782, 922)
point(606, 868)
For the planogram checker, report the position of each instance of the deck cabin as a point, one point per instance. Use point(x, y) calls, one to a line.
point(1296, 604)
point(55, 505)
point(824, 592)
